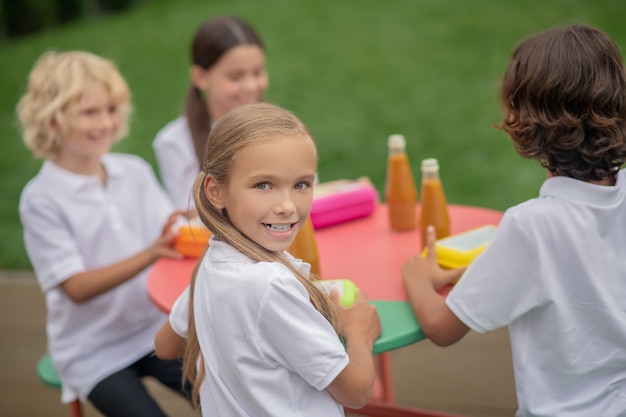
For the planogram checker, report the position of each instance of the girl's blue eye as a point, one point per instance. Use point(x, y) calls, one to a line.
point(263, 186)
point(302, 185)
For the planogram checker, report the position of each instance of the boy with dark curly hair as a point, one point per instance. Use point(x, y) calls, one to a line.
point(555, 273)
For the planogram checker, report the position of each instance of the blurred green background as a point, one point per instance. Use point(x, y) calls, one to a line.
point(355, 71)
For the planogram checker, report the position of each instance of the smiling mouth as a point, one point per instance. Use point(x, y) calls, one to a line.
point(101, 138)
point(278, 227)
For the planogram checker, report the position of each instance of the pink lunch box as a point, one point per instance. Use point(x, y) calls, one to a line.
point(340, 201)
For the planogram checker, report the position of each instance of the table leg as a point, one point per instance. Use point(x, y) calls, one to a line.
point(383, 385)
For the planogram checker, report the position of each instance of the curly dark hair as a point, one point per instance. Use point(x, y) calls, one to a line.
point(564, 102)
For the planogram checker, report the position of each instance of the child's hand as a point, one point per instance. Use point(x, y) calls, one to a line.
point(427, 268)
point(168, 227)
point(191, 214)
point(164, 245)
point(360, 320)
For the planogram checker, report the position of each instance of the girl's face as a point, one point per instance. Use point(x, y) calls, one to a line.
point(238, 77)
point(92, 124)
point(269, 195)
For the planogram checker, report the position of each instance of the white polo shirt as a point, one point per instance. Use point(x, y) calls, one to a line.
point(267, 351)
point(178, 165)
point(555, 273)
point(73, 224)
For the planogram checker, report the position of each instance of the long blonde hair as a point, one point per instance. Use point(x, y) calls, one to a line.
point(244, 126)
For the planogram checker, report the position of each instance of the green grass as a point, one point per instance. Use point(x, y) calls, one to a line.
point(354, 70)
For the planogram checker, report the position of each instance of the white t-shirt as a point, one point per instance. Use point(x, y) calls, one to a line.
point(73, 224)
point(178, 165)
point(556, 275)
point(267, 351)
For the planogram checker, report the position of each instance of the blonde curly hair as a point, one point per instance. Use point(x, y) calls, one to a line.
point(56, 82)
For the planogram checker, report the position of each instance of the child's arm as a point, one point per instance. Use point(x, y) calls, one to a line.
point(422, 277)
point(168, 344)
point(88, 284)
point(360, 326)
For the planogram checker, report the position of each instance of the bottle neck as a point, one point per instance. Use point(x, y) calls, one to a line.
point(396, 151)
point(430, 175)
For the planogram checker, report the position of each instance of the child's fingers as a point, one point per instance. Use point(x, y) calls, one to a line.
point(173, 218)
point(450, 275)
point(170, 222)
point(431, 239)
point(334, 297)
point(171, 253)
point(191, 213)
point(167, 238)
point(360, 296)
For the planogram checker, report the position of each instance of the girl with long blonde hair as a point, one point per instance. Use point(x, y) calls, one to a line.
point(263, 339)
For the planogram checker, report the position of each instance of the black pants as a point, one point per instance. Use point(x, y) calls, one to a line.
point(123, 393)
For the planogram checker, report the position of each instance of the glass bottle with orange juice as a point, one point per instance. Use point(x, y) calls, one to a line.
point(400, 190)
point(434, 208)
point(304, 247)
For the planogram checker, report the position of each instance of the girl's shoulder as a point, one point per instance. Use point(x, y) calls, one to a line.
point(274, 270)
point(231, 261)
point(172, 132)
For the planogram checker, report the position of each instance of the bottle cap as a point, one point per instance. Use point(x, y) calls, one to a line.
point(396, 141)
point(430, 165)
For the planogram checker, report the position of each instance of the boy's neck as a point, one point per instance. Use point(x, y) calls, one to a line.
point(87, 167)
point(608, 181)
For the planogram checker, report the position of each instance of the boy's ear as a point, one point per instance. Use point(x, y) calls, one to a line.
point(198, 77)
point(214, 192)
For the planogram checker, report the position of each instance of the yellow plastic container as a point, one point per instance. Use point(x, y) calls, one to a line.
point(459, 250)
point(192, 240)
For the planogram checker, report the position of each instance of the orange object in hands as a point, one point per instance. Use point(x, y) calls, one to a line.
point(192, 239)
